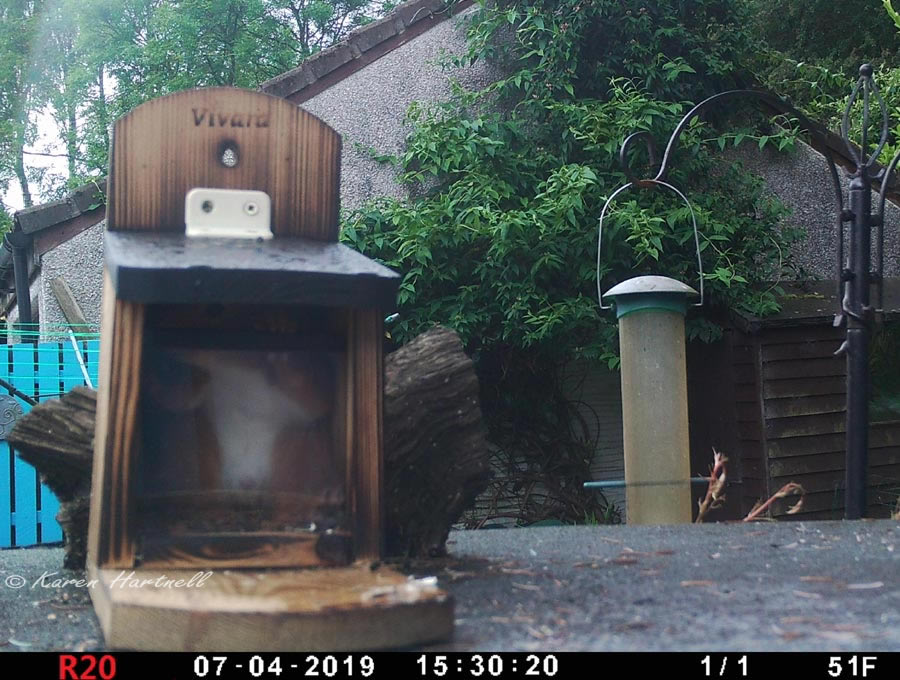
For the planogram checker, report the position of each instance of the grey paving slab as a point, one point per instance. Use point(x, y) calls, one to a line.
point(791, 586)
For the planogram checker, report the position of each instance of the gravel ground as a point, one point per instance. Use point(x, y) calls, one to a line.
point(812, 586)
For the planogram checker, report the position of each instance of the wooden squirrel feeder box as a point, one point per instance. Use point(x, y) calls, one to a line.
point(236, 500)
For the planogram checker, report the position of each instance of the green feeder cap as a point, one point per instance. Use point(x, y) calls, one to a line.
point(650, 292)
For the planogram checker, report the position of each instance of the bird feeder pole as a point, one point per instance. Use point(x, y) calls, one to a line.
point(651, 310)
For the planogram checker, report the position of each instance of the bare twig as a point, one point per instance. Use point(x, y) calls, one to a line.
point(715, 492)
point(789, 489)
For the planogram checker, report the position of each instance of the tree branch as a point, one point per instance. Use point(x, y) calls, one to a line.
point(50, 155)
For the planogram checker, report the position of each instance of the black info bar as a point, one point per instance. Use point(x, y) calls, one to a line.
point(344, 665)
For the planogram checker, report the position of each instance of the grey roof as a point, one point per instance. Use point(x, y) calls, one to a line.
point(82, 200)
point(813, 303)
point(361, 47)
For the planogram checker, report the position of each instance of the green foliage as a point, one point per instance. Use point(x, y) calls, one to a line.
point(19, 20)
point(5, 220)
point(500, 238)
point(609, 514)
point(153, 47)
point(836, 34)
point(823, 94)
point(891, 12)
point(810, 86)
point(815, 65)
point(887, 80)
point(88, 62)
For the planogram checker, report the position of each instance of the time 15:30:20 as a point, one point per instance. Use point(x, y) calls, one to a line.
point(543, 665)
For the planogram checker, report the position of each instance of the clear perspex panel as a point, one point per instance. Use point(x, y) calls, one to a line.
point(242, 456)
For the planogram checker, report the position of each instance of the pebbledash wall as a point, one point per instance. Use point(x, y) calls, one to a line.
point(802, 181)
point(363, 88)
point(76, 260)
point(80, 261)
point(369, 106)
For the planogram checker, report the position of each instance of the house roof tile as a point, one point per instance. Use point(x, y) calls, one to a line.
point(343, 58)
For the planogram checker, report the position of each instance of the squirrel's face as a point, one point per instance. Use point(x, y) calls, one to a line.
point(264, 415)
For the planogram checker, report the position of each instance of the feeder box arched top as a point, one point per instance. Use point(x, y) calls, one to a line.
point(224, 138)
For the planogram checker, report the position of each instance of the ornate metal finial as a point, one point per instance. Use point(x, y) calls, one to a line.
point(861, 157)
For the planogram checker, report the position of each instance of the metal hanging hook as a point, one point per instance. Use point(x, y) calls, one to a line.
point(652, 154)
point(645, 183)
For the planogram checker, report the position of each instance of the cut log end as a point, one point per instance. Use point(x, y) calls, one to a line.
point(436, 454)
point(57, 438)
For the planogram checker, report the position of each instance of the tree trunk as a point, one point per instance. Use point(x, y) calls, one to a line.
point(21, 175)
point(72, 139)
point(57, 438)
point(102, 113)
point(435, 452)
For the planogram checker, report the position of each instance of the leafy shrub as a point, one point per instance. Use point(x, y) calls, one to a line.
point(5, 220)
point(836, 34)
point(500, 238)
point(816, 63)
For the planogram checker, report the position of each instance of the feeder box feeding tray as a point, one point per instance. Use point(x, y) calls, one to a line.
point(236, 500)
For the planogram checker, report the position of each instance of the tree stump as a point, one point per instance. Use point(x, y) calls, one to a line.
point(436, 454)
point(57, 438)
point(435, 447)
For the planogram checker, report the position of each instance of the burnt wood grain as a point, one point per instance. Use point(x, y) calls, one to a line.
point(272, 610)
point(172, 144)
point(366, 463)
point(110, 536)
point(247, 549)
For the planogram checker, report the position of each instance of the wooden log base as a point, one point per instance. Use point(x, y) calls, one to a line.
point(340, 609)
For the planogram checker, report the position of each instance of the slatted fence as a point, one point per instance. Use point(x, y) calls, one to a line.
point(42, 370)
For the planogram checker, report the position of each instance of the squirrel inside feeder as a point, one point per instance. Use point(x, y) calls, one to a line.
point(242, 420)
